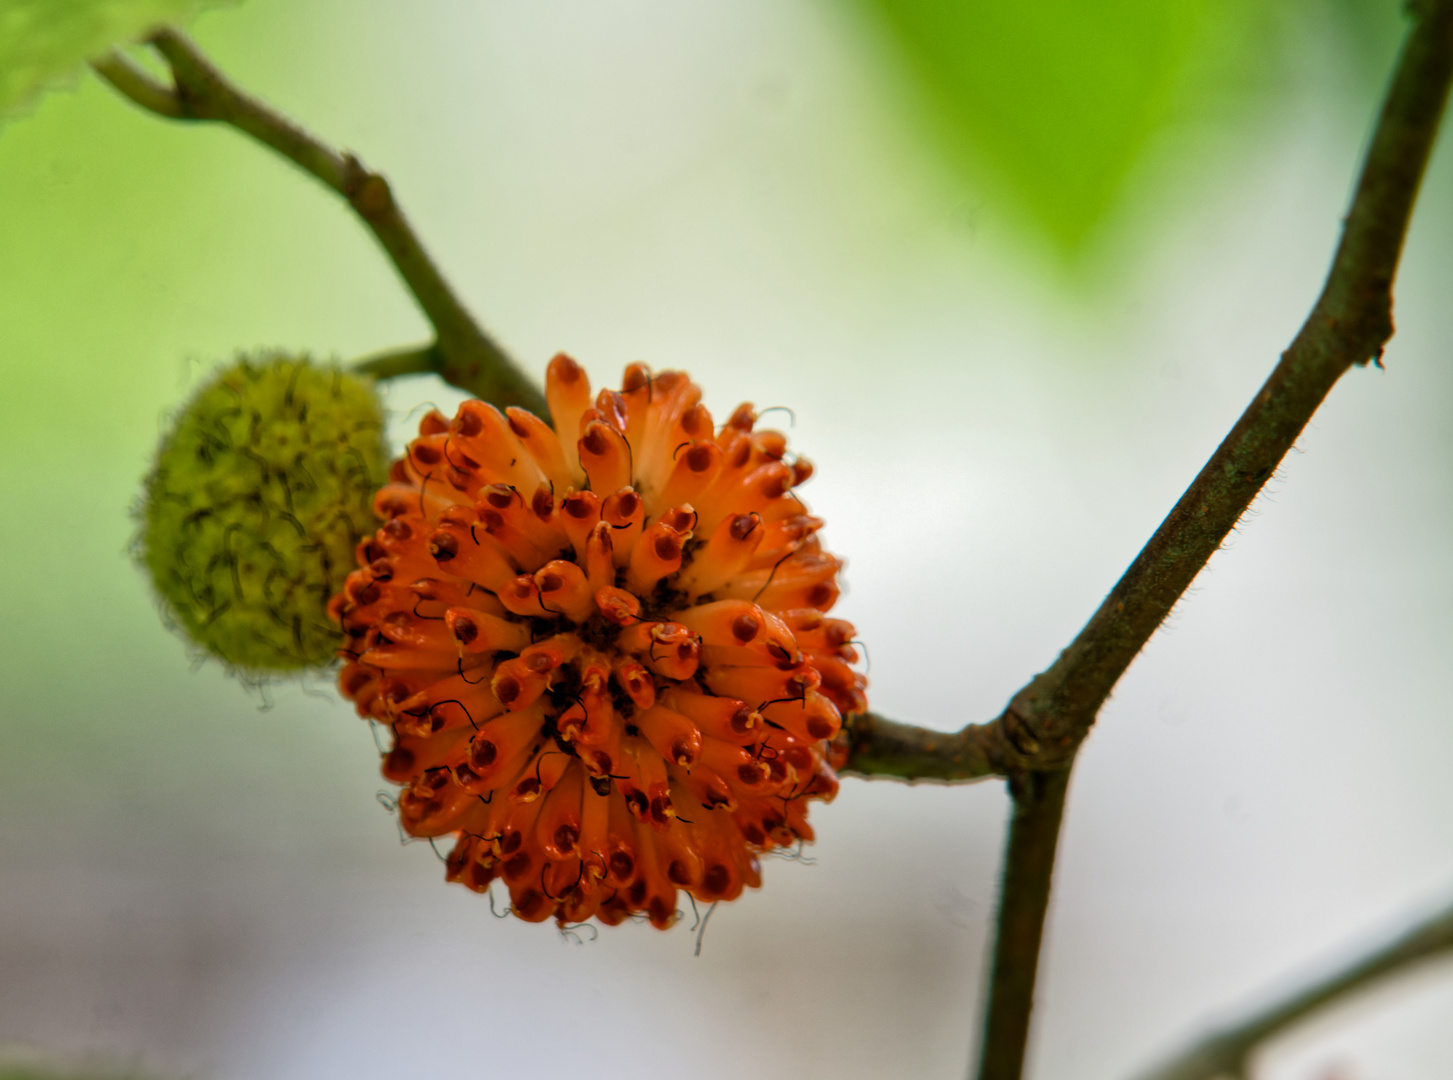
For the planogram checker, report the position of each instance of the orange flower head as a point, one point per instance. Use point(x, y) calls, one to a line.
point(601, 647)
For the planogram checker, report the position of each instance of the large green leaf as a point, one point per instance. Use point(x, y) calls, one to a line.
point(42, 41)
point(1057, 99)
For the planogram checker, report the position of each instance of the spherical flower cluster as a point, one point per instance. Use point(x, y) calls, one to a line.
point(259, 494)
point(601, 647)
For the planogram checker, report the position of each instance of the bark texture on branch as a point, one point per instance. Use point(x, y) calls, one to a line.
point(1034, 740)
point(1349, 325)
point(1045, 722)
point(466, 355)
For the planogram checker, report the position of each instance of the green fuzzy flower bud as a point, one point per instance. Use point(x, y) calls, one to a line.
point(252, 510)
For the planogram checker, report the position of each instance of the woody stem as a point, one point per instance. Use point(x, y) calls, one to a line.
point(466, 355)
point(1042, 728)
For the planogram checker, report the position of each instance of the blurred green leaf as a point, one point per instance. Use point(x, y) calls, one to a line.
point(1055, 102)
point(42, 41)
point(1057, 98)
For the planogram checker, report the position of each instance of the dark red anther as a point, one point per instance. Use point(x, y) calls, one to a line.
point(636, 377)
point(717, 879)
point(799, 757)
point(500, 496)
point(518, 866)
point(820, 727)
point(680, 518)
point(443, 546)
point(355, 679)
point(622, 866)
point(694, 421)
point(743, 526)
point(398, 764)
point(751, 772)
point(468, 423)
point(745, 627)
point(565, 370)
point(507, 688)
point(699, 458)
point(482, 753)
point(594, 442)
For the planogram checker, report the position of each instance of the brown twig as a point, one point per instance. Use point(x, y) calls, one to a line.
point(1350, 323)
point(1039, 806)
point(1227, 1052)
point(467, 356)
point(1034, 741)
point(1041, 729)
point(420, 360)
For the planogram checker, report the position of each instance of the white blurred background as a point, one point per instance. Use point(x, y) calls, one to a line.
point(192, 885)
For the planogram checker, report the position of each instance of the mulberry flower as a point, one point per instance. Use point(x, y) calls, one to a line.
point(601, 647)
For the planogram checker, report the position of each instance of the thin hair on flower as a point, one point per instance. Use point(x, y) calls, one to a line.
point(601, 647)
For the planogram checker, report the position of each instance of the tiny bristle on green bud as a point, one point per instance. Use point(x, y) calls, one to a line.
point(259, 493)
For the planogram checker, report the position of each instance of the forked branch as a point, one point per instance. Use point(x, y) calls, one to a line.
point(1349, 325)
point(1035, 739)
point(1039, 733)
point(465, 356)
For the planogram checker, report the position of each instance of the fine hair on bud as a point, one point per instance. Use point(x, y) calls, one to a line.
point(259, 494)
